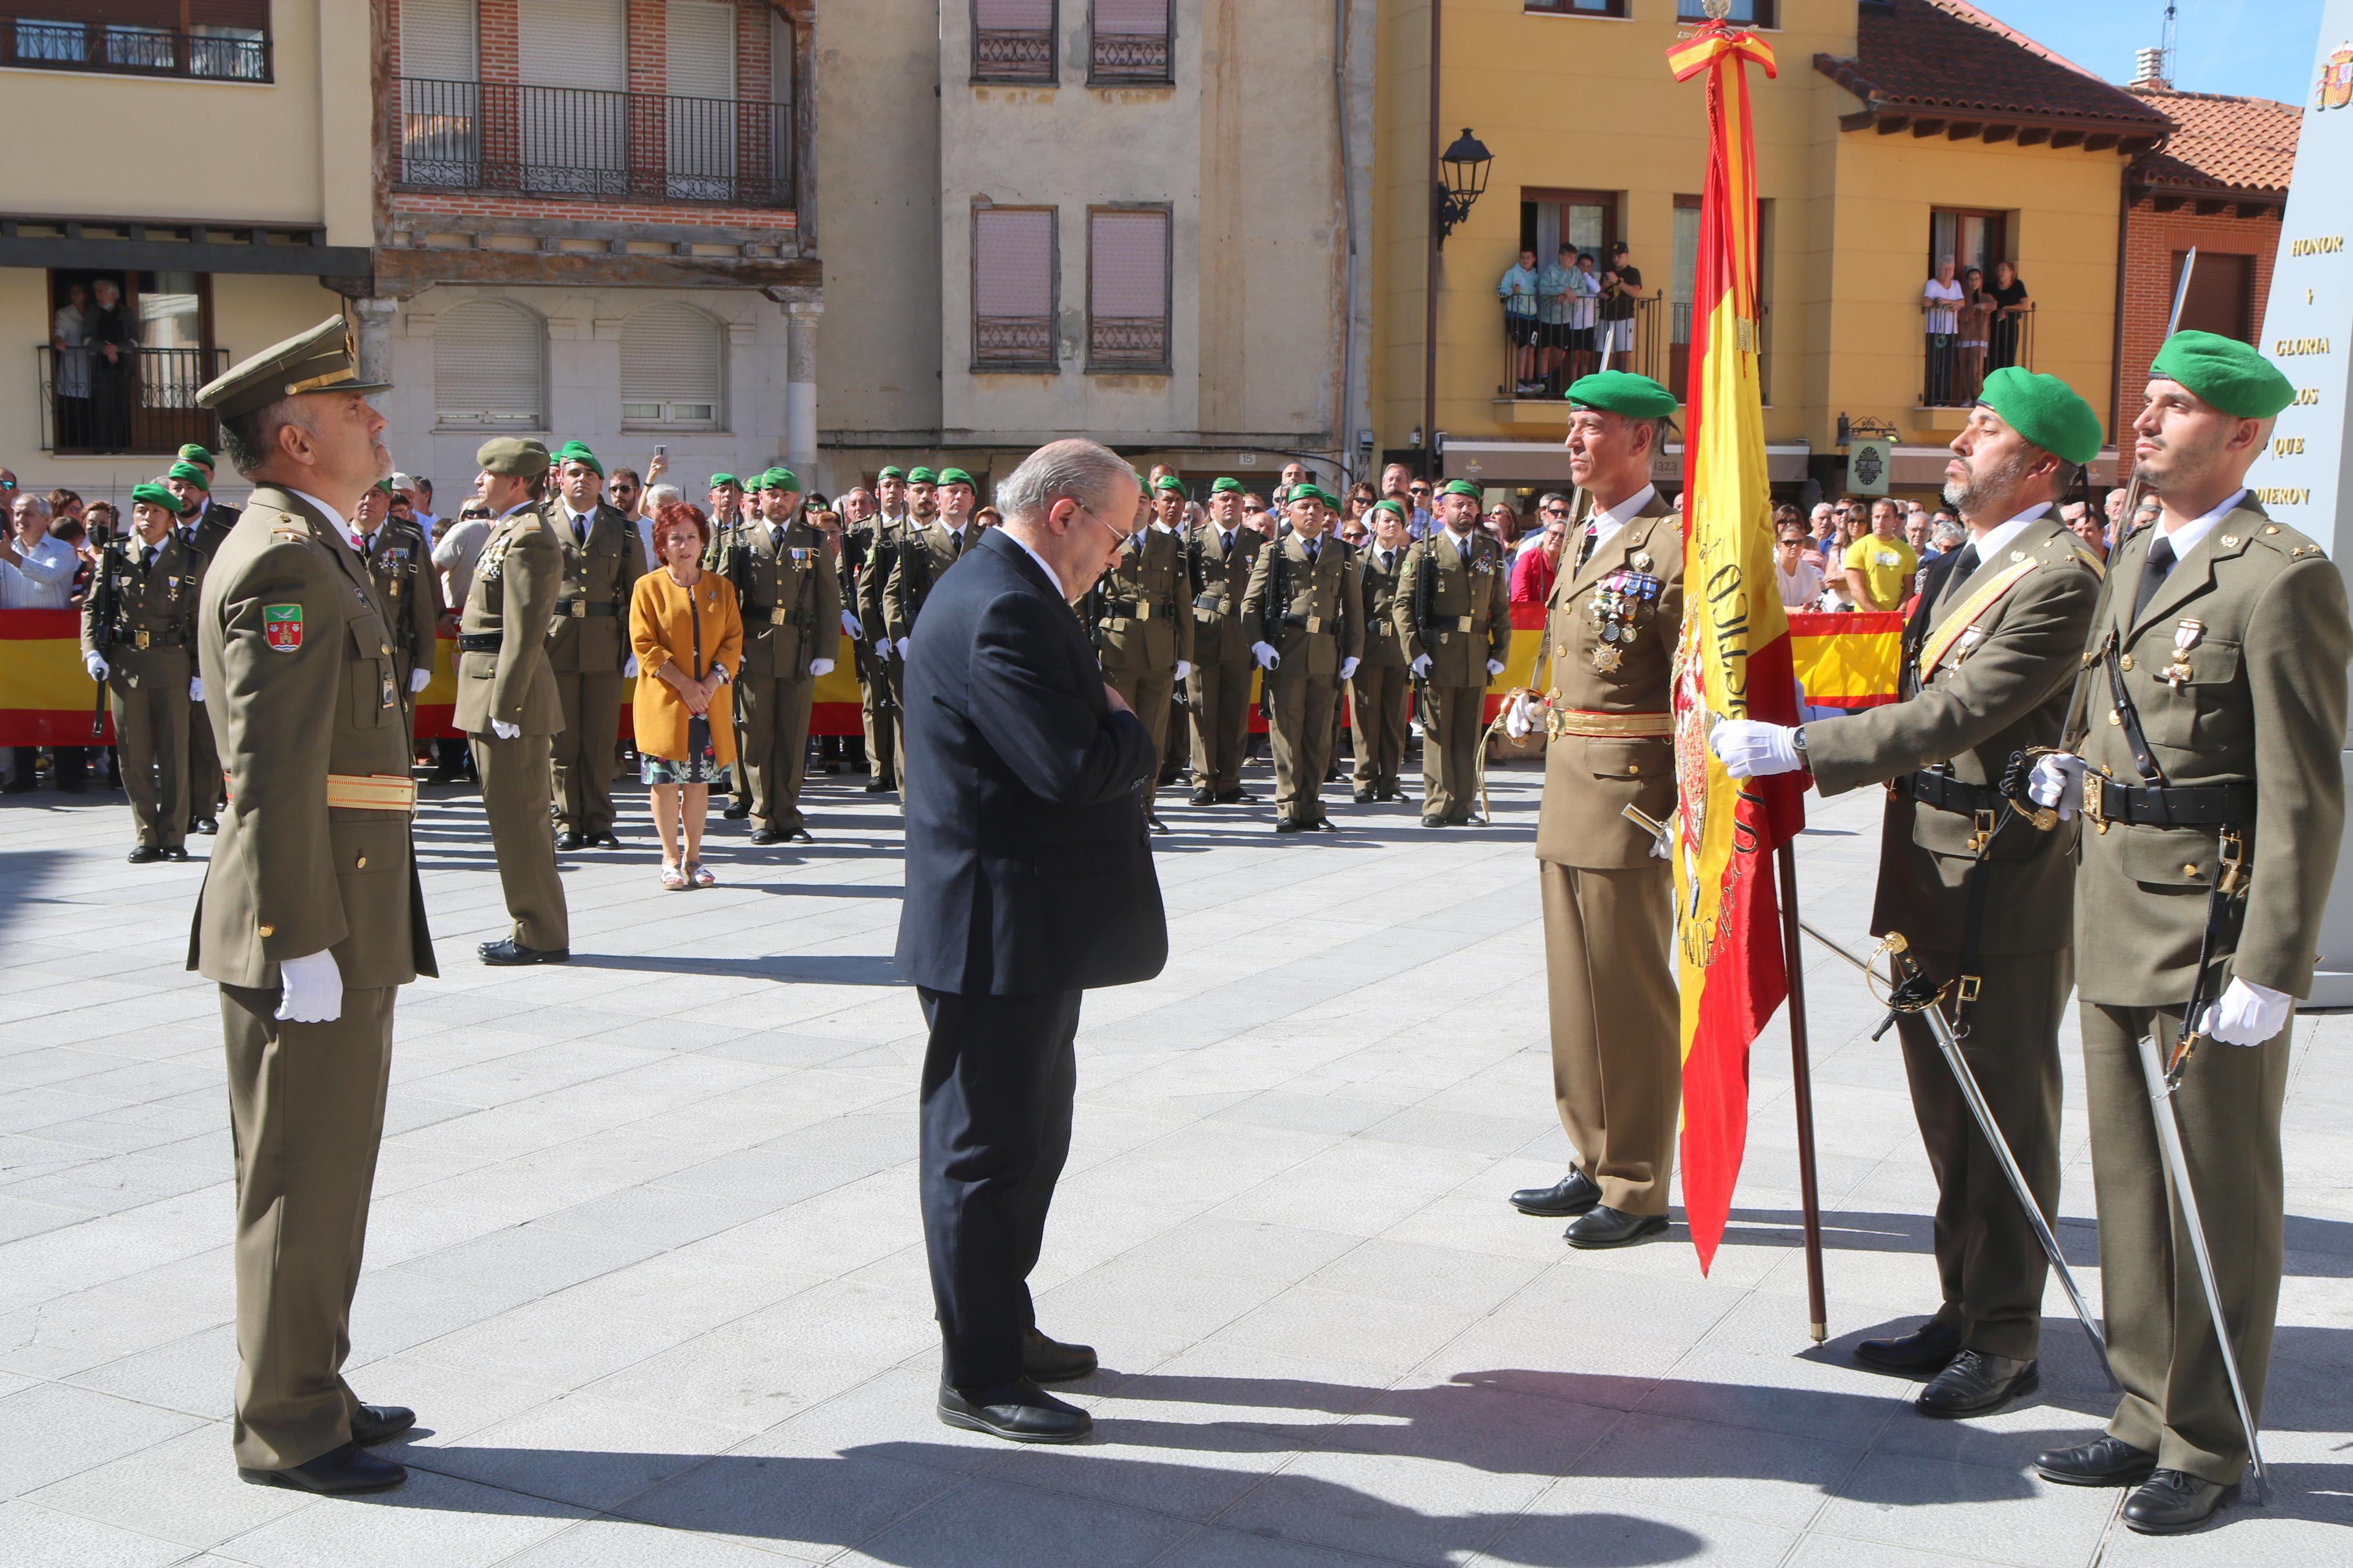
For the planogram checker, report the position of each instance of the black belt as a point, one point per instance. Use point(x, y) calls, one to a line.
point(2154, 806)
point(576, 608)
point(1945, 793)
point(146, 639)
point(480, 642)
point(1209, 602)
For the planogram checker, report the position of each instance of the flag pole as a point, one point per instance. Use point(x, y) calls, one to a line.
point(1801, 1079)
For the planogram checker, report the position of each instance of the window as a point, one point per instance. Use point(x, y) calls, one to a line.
point(1683, 288)
point(489, 368)
point(1013, 41)
point(673, 368)
point(573, 60)
point(699, 42)
point(1014, 263)
point(1130, 43)
point(1971, 238)
point(2222, 298)
point(1743, 13)
point(1127, 288)
point(1579, 7)
point(222, 39)
point(144, 398)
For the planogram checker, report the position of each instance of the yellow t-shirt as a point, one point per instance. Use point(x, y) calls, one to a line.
point(1886, 566)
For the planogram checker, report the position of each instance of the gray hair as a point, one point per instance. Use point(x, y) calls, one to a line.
point(1549, 497)
point(1076, 469)
point(1950, 532)
point(661, 496)
point(28, 503)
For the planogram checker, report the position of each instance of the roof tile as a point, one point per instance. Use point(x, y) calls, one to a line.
point(2221, 142)
point(1948, 58)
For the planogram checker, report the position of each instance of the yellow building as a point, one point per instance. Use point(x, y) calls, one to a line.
point(1898, 131)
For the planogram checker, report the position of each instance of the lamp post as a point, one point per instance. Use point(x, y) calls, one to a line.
point(1458, 177)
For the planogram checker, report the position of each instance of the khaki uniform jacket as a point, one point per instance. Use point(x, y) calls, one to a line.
point(1469, 608)
point(1223, 628)
point(1146, 624)
point(874, 572)
point(923, 554)
point(791, 599)
point(590, 633)
point(515, 583)
point(1385, 641)
point(2263, 704)
point(1589, 780)
point(297, 661)
point(2002, 688)
point(401, 563)
point(1318, 624)
point(159, 602)
point(212, 528)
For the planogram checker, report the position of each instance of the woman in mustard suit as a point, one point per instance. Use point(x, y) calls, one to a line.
point(688, 634)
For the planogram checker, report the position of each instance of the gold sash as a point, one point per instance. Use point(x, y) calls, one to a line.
point(1940, 641)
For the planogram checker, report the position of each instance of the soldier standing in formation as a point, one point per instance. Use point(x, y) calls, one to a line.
point(138, 633)
point(791, 599)
point(933, 541)
point(2205, 752)
point(507, 702)
point(730, 515)
point(588, 642)
point(1309, 605)
point(1379, 691)
point(1143, 628)
point(401, 562)
point(209, 523)
point(1453, 612)
point(202, 527)
point(2007, 626)
point(310, 919)
point(1607, 893)
point(878, 695)
point(1222, 554)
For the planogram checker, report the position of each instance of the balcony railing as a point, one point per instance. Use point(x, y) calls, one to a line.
point(1639, 344)
point(1131, 60)
point(594, 146)
point(1127, 343)
point(142, 400)
point(219, 54)
point(1013, 342)
point(1017, 55)
point(1953, 373)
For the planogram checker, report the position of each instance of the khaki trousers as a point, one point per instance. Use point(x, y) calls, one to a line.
point(1989, 1265)
point(306, 1116)
point(1452, 733)
point(881, 734)
point(515, 776)
point(1303, 742)
point(151, 726)
point(1617, 1067)
point(207, 789)
point(775, 746)
point(1222, 711)
point(2177, 1402)
point(1377, 711)
point(583, 755)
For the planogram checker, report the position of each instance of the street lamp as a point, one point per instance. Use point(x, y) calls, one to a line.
point(1465, 166)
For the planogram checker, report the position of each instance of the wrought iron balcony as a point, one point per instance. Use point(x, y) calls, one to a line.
point(143, 400)
point(116, 48)
point(594, 146)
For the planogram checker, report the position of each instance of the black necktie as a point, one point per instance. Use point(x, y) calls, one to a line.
point(1226, 542)
point(2153, 573)
point(1964, 563)
point(1389, 560)
point(580, 530)
point(1585, 551)
point(1311, 552)
point(956, 544)
point(147, 559)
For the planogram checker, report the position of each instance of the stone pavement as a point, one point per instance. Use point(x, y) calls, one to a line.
point(646, 1255)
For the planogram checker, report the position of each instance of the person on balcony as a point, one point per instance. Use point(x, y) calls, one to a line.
point(1940, 304)
point(2011, 307)
point(1523, 328)
point(114, 347)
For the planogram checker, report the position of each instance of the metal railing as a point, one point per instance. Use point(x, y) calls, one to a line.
point(42, 43)
point(1140, 59)
point(1953, 373)
point(1638, 343)
point(142, 400)
point(594, 145)
point(1127, 343)
point(1013, 342)
point(1018, 55)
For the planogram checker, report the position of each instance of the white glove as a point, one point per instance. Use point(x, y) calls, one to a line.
point(2248, 1014)
point(1348, 668)
point(196, 689)
point(504, 731)
point(2058, 781)
point(629, 668)
point(419, 679)
point(313, 989)
point(1520, 717)
point(905, 644)
point(820, 667)
point(1184, 668)
point(1421, 665)
point(1749, 750)
point(1494, 667)
point(1265, 654)
point(849, 626)
point(91, 662)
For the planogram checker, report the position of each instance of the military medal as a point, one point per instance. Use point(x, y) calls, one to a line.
point(2185, 638)
point(1607, 659)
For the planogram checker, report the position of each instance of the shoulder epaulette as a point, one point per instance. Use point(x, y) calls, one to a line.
point(2287, 541)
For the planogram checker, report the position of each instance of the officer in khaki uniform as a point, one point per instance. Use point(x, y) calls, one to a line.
point(204, 524)
point(727, 523)
point(400, 559)
point(1980, 896)
point(2214, 787)
point(588, 642)
point(1453, 612)
point(1379, 691)
point(791, 599)
point(205, 527)
point(1608, 897)
point(1142, 615)
point(507, 701)
point(311, 918)
point(138, 635)
point(938, 531)
point(1223, 554)
point(1307, 599)
point(877, 547)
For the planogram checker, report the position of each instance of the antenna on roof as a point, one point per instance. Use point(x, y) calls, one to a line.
point(2166, 39)
point(2154, 67)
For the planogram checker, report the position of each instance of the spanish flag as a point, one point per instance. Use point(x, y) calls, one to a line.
point(1734, 660)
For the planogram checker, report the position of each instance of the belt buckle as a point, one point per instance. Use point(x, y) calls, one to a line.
point(1314, 623)
point(579, 611)
point(1462, 623)
point(1969, 989)
point(2095, 800)
point(1144, 612)
point(1983, 821)
point(779, 617)
point(2234, 853)
point(139, 639)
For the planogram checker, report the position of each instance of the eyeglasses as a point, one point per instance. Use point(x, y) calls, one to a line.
point(1122, 534)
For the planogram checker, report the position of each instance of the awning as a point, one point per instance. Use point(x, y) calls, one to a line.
point(1547, 462)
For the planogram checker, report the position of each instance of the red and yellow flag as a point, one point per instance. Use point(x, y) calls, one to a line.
point(1732, 662)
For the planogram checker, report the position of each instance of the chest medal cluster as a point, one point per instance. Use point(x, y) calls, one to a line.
point(1617, 604)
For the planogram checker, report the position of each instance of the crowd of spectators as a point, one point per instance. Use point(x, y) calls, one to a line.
point(1974, 328)
point(1562, 319)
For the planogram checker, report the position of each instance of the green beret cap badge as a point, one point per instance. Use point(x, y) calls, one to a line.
point(2225, 373)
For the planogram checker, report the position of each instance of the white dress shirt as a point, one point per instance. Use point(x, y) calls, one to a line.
point(1998, 536)
point(1605, 522)
point(2186, 537)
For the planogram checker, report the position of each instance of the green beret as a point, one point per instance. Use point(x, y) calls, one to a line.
point(1224, 486)
point(954, 477)
point(2045, 410)
point(324, 359)
point(385, 484)
point(512, 456)
point(1169, 482)
point(191, 453)
point(1308, 490)
point(1465, 487)
point(922, 477)
point(782, 479)
point(578, 452)
point(191, 474)
point(1394, 509)
point(2226, 372)
point(1622, 392)
point(154, 494)
point(717, 480)
point(890, 471)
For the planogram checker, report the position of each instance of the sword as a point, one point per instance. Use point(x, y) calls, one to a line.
point(1914, 994)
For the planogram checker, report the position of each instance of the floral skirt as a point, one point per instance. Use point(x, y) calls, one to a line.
point(695, 767)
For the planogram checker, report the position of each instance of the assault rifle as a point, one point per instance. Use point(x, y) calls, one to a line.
point(1423, 562)
point(105, 605)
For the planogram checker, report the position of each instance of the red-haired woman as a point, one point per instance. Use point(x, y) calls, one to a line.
point(688, 634)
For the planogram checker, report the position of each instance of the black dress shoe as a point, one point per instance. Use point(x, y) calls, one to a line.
point(1320, 824)
point(1605, 1227)
point(1364, 797)
point(570, 841)
point(736, 813)
point(1157, 826)
point(1573, 1195)
point(1051, 1361)
point(339, 1472)
point(207, 825)
point(1433, 822)
point(1926, 1349)
point(508, 951)
point(174, 852)
point(880, 786)
point(609, 840)
point(2105, 1462)
point(2171, 1501)
point(766, 836)
point(1205, 797)
point(801, 836)
point(1021, 1412)
point(1975, 1383)
point(1288, 824)
point(144, 854)
point(381, 1423)
point(1235, 797)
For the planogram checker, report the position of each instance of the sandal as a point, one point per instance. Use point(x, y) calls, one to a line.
point(672, 878)
point(699, 875)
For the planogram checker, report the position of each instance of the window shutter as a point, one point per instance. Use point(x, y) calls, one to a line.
point(1145, 17)
point(439, 40)
point(489, 365)
point(1012, 16)
point(672, 367)
point(700, 44)
point(1013, 286)
point(574, 43)
point(1127, 288)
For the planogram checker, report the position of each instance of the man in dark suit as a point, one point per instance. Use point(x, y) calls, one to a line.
point(1028, 879)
